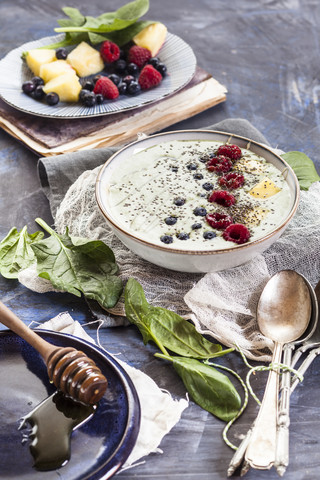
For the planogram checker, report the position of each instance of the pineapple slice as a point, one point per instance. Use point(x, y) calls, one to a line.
point(48, 71)
point(67, 86)
point(264, 189)
point(37, 57)
point(86, 60)
point(151, 37)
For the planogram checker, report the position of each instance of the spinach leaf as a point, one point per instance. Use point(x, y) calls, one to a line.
point(166, 328)
point(208, 387)
point(303, 167)
point(78, 265)
point(121, 37)
point(16, 252)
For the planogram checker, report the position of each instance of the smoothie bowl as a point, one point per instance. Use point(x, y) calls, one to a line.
point(197, 200)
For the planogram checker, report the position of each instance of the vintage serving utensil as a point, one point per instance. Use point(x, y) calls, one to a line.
point(283, 315)
point(70, 370)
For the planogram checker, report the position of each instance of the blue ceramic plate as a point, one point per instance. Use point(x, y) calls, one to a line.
point(99, 447)
point(175, 53)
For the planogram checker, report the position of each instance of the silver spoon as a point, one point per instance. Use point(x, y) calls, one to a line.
point(283, 315)
point(309, 333)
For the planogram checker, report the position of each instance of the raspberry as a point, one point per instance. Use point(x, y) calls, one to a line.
point(236, 233)
point(231, 180)
point(139, 55)
point(149, 77)
point(109, 51)
point(106, 88)
point(219, 164)
point(220, 221)
point(223, 198)
point(230, 151)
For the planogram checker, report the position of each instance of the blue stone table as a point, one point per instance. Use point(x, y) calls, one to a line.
point(267, 54)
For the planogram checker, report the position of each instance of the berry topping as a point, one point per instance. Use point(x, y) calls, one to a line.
point(128, 79)
point(89, 99)
point(132, 69)
point(171, 220)
point(37, 81)
point(88, 85)
point(161, 68)
point(236, 233)
point(109, 51)
point(230, 151)
point(209, 235)
point(38, 92)
point(219, 164)
point(99, 98)
point(198, 176)
point(179, 201)
point(223, 198)
point(196, 226)
point(192, 166)
point(61, 53)
point(28, 87)
point(133, 88)
point(115, 78)
point(220, 221)
point(154, 61)
point(166, 239)
point(107, 88)
point(52, 98)
point(207, 186)
point(120, 66)
point(200, 212)
point(183, 236)
point(231, 180)
point(139, 55)
point(149, 77)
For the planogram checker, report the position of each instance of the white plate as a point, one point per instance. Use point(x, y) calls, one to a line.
point(176, 54)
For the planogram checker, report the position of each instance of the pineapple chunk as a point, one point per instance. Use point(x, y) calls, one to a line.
point(86, 60)
point(48, 71)
point(37, 57)
point(67, 86)
point(151, 37)
point(264, 189)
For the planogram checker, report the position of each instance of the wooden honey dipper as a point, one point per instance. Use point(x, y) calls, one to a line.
point(70, 370)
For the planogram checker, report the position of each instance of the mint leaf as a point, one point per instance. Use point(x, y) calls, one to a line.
point(78, 265)
point(16, 253)
point(303, 167)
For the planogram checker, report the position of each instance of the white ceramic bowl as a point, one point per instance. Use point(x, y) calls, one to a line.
point(187, 260)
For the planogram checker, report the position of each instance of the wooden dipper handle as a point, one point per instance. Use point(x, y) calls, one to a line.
point(70, 370)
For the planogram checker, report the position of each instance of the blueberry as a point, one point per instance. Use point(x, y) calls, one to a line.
point(198, 176)
point(161, 68)
point(122, 88)
point(154, 61)
point(88, 85)
point(192, 166)
point(204, 159)
point(200, 211)
point(82, 93)
point(120, 66)
point(89, 99)
point(196, 226)
point(28, 87)
point(61, 53)
point(99, 98)
point(128, 79)
point(38, 92)
point(133, 88)
point(166, 239)
point(132, 69)
point(122, 54)
point(171, 220)
point(182, 236)
point(37, 81)
point(179, 201)
point(115, 78)
point(52, 98)
point(209, 235)
point(207, 186)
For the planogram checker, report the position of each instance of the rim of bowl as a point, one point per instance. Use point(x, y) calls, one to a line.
point(199, 252)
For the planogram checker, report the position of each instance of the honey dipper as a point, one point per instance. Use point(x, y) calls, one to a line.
point(70, 370)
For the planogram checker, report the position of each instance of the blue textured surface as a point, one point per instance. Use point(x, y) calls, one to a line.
point(267, 54)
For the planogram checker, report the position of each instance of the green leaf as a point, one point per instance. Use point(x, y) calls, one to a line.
point(16, 252)
point(303, 167)
point(166, 328)
point(121, 37)
point(78, 265)
point(133, 10)
point(75, 17)
point(208, 387)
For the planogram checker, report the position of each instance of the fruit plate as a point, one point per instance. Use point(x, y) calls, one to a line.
point(175, 53)
point(99, 447)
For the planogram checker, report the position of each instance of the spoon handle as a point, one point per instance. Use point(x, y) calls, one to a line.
point(305, 365)
point(260, 453)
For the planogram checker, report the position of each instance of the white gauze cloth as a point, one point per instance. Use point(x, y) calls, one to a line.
point(159, 411)
point(221, 304)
